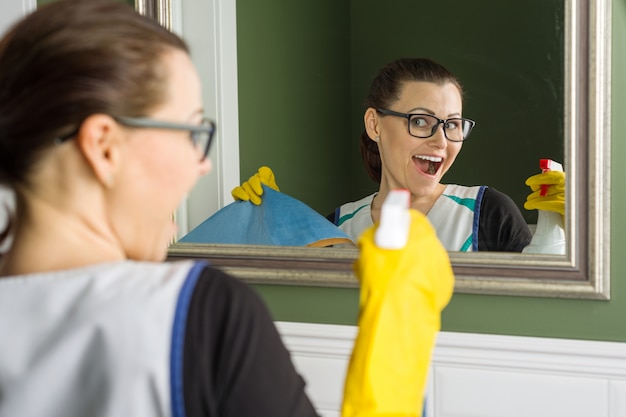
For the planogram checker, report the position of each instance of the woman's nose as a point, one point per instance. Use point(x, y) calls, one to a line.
point(439, 138)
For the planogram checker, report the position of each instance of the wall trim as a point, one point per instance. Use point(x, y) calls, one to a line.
point(525, 365)
point(585, 357)
point(572, 356)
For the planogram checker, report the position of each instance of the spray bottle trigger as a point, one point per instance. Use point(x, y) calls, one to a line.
point(548, 165)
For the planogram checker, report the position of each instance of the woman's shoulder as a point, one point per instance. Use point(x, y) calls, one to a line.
point(485, 193)
point(493, 196)
point(221, 290)
point(502, 225)
point(464, 191)
point(358, 204)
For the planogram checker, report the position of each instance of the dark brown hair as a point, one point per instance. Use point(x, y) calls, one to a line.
point(386, 89)
point(71, 59)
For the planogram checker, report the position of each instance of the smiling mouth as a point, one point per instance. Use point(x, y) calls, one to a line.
point(428, 164)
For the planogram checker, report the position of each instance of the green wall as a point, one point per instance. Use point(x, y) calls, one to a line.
point(526, 316)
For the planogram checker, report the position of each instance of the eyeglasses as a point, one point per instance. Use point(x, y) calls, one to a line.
point(201, 135)
point(456, 129)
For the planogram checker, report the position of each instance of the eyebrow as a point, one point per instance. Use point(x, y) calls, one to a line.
point(425, 110)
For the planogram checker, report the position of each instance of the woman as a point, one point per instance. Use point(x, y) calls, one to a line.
point(102, 135)
point(414, 130)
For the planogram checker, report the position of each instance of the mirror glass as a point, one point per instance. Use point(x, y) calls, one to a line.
point(303, 79)
point(550, 103)
point(300, 100)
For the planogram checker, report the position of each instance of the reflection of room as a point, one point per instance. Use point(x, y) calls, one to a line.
point(508, 78)
point(303, 77)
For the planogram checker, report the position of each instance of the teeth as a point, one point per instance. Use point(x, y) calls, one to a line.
point(429, 158)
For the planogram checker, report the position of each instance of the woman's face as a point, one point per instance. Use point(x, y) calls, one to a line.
point(160, 168)
point(418, 164)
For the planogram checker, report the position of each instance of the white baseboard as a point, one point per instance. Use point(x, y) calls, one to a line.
point(476, 375)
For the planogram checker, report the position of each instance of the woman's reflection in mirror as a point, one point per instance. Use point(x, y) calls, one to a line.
point(414, 131)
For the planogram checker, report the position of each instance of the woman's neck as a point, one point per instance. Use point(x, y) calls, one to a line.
point(48, 238)
point(421, 203)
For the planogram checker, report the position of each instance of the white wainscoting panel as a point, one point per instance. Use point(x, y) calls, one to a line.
point(507, 394)
point(321, 354)
point(617, 398)
point(476, 375)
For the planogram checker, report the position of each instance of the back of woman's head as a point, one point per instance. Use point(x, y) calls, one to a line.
point(386, 90)
point(71, 59)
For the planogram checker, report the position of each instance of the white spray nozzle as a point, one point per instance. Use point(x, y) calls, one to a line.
point(550, 165)
point(395, 220)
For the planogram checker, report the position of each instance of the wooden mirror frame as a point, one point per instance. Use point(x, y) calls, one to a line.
point(582, 273)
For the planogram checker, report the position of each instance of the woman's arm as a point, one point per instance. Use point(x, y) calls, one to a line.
point(502, 227)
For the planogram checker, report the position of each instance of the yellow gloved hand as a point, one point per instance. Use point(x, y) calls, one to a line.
point(402, 294)
point(252, 190)
point(553, 199)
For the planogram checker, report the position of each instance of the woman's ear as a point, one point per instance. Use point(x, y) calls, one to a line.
point(98, 140)
point(371, 121)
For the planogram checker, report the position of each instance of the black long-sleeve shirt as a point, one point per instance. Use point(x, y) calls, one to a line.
point(235, 363)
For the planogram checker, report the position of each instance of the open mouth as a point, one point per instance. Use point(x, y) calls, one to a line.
point(428, 164)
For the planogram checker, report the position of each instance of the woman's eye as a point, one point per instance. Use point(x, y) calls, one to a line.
point(453, 124)
point(419, 122)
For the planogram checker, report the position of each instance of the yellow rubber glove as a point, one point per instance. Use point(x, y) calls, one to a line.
point(402, 294)
point(551, 200)
point(252, 190)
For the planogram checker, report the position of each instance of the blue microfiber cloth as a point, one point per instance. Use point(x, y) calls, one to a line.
point(279, 220)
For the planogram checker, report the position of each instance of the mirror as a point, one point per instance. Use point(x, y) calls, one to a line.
point(582, 273)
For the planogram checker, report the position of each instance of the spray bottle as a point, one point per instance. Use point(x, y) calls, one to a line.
point(549, 237)
point(395, 220)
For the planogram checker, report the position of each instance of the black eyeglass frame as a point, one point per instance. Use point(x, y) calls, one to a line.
point(408, 117)
point(207, 126)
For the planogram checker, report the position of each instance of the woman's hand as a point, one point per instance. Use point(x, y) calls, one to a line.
point(549, 198)
point(252, 190)
point(402, 294)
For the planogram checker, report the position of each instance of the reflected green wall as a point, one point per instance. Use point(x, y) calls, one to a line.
point(513, 81)
point(294, 95)
point(526, 316)
point(305, 68)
